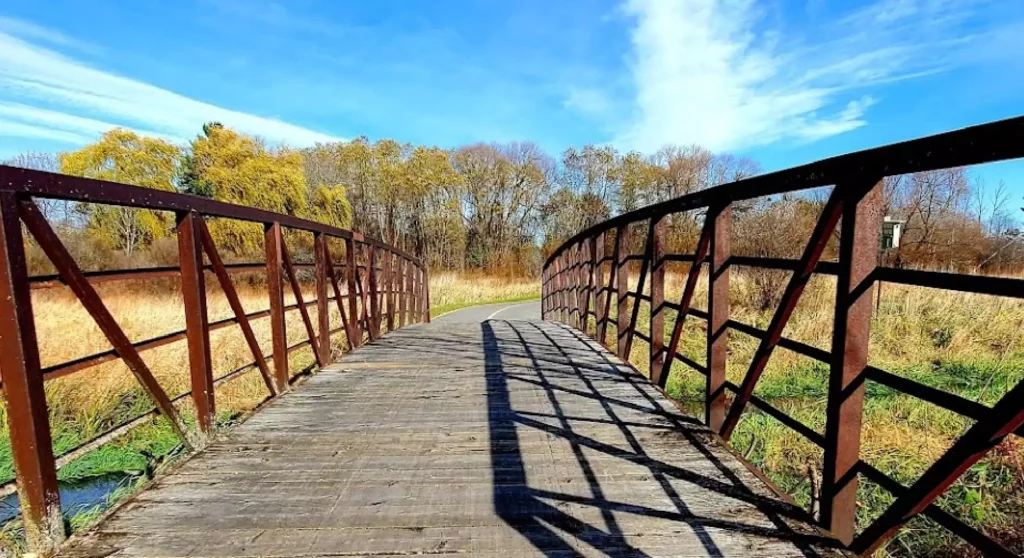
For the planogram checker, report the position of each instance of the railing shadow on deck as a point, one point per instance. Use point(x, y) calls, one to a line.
point(529, 510)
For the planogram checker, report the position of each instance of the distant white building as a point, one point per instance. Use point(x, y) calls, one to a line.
point(891, 231)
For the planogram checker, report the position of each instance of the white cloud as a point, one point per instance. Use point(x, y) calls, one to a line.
point(713, 72)
point(587, 100)
point(31, 31)
point(72, 99)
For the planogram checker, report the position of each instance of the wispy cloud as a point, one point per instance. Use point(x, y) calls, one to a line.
point(723, 74)
point(54, 96)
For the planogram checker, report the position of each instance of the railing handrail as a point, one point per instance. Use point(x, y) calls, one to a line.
point(573, 279)
point(52, 185)
point(983, 143)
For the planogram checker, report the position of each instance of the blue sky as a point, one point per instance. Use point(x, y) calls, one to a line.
point(784, 81)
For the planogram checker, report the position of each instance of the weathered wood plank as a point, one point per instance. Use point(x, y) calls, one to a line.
point(492, 439)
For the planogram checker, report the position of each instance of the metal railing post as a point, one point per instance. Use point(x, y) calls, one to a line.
point(859, 242)
point(426, 295)
point(27, 416)
point(350, 281)
point(389, 288)
point(275, 289)
point(322, 302)
point(403, 265)
point(374, 316)
point(600, 294)
point(718, 315)
point(657, 317)
point(197, 323)
point(622, 292)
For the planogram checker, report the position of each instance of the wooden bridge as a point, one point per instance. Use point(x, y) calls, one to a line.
point(510, 430)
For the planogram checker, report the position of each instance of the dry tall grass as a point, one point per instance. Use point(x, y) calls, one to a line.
point(449, 291)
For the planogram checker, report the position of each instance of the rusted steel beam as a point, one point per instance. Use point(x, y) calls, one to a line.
point(364, 303)
point(976, 538)
point(374, 301)
point(622, 292)
point(114, 275)
point(323, 317)
point(944, 399)
point(273, 243)
point(60, 186)
point(1006, 416)
point(609, 294)
point(589, 293)
point(577, 299)
point(812, 253)
point(583, 296)
point(55, 371)
point(410, 293)
point(984, 143)
point(996, 286)
point(657, 365)
point(389, 285)
point(859, 241)
point(69, 270)
point(557, 277)
point(231, 294)
point(403, 291)
point(197, 322)
point(717, 342)
point(787, 264)
point(426, 295)
point(419, 295)
point(54, 281)
point(600, 294)
point(345, 323)
point(27, 416)
point(297, 292)
point(641, 283)
point(350, 280)
point(703, 241)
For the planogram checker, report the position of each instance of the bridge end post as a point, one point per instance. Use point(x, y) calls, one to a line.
point(622, 292)
point(350, 281)
point(323, 316)
point(657, 316)
point(275, 288)
point(27, 416)
point(718, 316)
point(426, 295)
point(197, 323)
point(859, 242)
point(601, 294)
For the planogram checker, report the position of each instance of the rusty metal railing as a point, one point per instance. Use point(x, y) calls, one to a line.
point(575, 291)
point(385, 288)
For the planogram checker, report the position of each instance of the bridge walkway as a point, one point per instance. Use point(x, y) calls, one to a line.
point(475, 436)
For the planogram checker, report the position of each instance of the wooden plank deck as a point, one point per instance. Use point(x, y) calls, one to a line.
point(500, 438)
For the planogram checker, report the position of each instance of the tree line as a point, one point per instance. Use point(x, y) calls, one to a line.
point(497, 207)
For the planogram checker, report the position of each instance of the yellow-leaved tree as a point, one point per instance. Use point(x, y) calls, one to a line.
point(124, 156)
point(240, 169)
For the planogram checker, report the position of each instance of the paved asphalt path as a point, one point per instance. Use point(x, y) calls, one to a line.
point(529, 310)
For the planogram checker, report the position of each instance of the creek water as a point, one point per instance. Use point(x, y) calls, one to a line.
point(74, 497)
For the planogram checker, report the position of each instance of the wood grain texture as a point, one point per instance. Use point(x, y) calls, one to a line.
point(502, 438)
